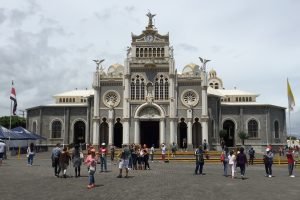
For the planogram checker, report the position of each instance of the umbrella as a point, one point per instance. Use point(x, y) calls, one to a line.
point(27, 133)
point(6, 134)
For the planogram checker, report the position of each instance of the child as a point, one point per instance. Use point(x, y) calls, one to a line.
point(64, 159)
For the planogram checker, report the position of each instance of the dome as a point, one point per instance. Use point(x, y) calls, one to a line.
point(191, 68)
point(115, 69)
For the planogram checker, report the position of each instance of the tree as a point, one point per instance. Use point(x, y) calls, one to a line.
point(243, 136)
point(15, 121)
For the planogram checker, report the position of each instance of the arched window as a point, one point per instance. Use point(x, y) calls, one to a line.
point(137, 53)
point(236, 99)
point(132, 90)
point(161, 88)
point(243, 99)
point(276, 129)
point(56, 129)
point(166, 89)
point(154, 52)
point(142, 89)
point(250, 98)
point(60, 100)
point(64, 100)
point(158, 52)
point(146, 52)
point(240, 99)
point(156, 90)
point(253, 128)
point(141, 52)
point(162, 52)
point(211, 85)
point(137, 89)
point(67, 100)
point(216, 85)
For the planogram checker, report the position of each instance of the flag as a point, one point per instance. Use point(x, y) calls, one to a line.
point(291, 99)
point(13, 97)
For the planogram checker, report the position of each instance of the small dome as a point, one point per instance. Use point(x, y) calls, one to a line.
point(115, 69)
point(191, 68)
point(212, 73)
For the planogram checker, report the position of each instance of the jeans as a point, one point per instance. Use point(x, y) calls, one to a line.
point(291, 168)
point(199, 165)
point(243, 169)
point(268, 168)
point(30, 159)
point(151, 157)
point(103, 163)
point(91, 179)
point(56, 166)
point(225, 163)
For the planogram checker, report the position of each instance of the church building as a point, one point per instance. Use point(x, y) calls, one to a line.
point(146, 101)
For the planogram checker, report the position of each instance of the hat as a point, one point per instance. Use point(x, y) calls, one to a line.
point(103, 143)
point(267, 149)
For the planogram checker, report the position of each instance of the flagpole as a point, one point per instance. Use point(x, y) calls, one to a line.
point(290, 128)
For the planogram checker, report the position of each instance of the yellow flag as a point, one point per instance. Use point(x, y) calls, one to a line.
point(291, 99)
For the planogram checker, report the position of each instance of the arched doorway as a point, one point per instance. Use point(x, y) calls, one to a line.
point(118, 133)
point(229, 127)
point(103, 132)
point(182, 130)
point(79, 132)
point(197, 133)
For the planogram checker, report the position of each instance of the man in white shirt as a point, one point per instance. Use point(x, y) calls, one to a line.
point(2, 150)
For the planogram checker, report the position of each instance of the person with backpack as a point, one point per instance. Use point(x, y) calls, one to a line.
point(241, 160)
point(251, 155)
point(55, 159)
point(199, 154)
point(224, 160)
point(91, 162)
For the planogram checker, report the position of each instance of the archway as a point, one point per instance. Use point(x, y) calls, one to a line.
point(229, 127)
point(79, 132)
point(150, 133)
point(118, 133)
point(197, 133)
point(182, 130)
point(103, 132)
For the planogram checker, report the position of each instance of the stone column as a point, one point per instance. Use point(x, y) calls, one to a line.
point(172, 132)
point(126, 131)
point(162, 134)
point(110, 127)
point(204, 117)
point(126, 114)
point(137, 139)
point(189, 134)
point(96, 117)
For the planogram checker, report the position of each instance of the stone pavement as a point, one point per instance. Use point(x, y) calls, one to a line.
point(164, 181)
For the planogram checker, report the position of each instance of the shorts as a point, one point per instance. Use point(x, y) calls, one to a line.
point(123, 164)
point(1, 156)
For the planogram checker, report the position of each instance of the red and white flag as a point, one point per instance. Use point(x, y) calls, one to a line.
point(13, 97)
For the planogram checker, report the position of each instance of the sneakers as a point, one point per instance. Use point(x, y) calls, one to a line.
point(270, 176)
point(292, 176)
point(120, 176)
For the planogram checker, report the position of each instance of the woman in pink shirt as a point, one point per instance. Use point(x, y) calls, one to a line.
point(91, 161)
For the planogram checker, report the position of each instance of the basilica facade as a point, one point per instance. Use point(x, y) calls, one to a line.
point(146, 101)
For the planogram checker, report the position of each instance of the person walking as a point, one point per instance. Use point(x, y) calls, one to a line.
point(174, 149)
point(184, 145)
point(124, 161)
point(199, 154)
point(146, 157)
point(30, 154)
point(103, 157)
point(2, 150)
point(268, 161)
point(242, 161)
point(91, 162)
point(224, 160)
point(232, 163)
point(76, 159)
point(64, 159)
point(55, 159)
point(112, 152)
point(163, 151)
point(291, 160)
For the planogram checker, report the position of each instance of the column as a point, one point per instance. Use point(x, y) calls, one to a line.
point(126, 131)
point(96, 117)
point(162, 134)
point(137, 139)
point(110, 126)
point(172, 133)
point(189, 134)
point(204, 117)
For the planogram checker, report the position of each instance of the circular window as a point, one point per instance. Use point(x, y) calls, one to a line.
point(189, 98)
point(111, 98)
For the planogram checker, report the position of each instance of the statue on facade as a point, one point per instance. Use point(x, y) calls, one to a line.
point(128, 51)
point(203, 61)
point(98, 62)
point(150, 23)
point(171, 51)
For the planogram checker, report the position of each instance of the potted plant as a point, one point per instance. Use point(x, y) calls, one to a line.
point(243, 136)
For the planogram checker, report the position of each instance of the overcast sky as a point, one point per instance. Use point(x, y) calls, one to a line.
point(47, 47)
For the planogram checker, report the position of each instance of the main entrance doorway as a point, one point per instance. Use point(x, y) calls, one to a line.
point(149, 131)
point(229, 127)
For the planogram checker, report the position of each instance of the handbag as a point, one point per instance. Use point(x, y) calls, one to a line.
point(81, 155)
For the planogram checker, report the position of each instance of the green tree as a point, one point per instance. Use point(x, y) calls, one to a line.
point(223, 134)
point(15, 121)
point(243, 136)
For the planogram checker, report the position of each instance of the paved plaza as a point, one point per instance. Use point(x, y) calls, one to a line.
point(164, 181)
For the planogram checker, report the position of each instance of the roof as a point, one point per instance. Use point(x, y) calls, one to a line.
point(225, 92)
point(76, 93)
point(249, 104)
point(212, 91)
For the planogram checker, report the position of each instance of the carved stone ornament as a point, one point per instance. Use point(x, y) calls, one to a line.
point(111, 98)
point(189, 98)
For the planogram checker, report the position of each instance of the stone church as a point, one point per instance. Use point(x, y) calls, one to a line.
point(146, 101)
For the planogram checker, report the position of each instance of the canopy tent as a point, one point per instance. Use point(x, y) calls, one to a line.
point(6, 134)
point(21, 130)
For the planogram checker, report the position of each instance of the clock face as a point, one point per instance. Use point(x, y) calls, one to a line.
point(149, 38)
